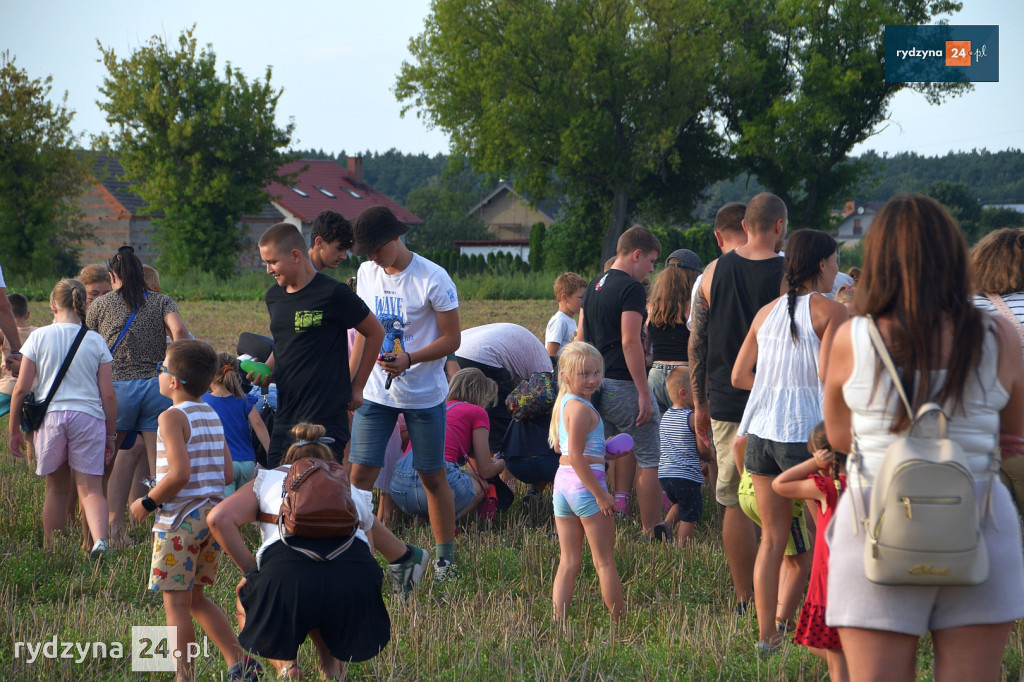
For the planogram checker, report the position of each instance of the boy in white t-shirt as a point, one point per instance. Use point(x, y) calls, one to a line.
point(416, 302)
point(569, 288)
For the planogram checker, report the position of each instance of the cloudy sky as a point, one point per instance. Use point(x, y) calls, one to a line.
point(337, 63)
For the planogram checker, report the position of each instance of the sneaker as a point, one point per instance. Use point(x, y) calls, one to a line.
point(662, 532)
point(444, 570)
point(247, 669)
point(406, 576)
point(785, 627)
point(765, 649)
point(99, 549)
point(532, 500)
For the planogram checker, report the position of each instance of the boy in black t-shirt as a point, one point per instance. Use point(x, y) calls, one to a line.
point(613, 315)
point(310, 314)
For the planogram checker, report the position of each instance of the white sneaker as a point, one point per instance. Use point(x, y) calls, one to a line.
point(99, 549)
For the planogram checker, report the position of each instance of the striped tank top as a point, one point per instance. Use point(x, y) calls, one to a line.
point(205, 448)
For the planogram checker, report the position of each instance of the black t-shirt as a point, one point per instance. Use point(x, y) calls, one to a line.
point(604, 301)
point(739, 288)
point(310, 330)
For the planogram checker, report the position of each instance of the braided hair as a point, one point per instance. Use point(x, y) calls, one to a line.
point(804, 253)
point(70, 294)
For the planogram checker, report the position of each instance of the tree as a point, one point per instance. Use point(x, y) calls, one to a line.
point(961, 204)
point(196, 146)
point(802, 82)
point(537, 247)
point(574, 98)
point(444, 204)
point(40, 177)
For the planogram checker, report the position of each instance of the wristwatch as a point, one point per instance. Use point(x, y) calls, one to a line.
point(149, 505)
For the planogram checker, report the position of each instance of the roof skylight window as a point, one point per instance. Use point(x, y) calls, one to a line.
point(324, 191)
point(299, 192)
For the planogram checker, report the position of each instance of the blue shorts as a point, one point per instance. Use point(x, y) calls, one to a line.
point(408, 493)
point(687, 495)
point(373, 424)
point(139, 404)
point(571, 497)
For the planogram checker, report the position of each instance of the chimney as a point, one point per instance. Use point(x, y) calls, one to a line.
point(355, 169)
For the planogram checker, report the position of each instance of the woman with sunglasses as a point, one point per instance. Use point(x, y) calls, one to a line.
point(132, 320)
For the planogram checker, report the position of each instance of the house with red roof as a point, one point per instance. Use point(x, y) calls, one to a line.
point(116, 216)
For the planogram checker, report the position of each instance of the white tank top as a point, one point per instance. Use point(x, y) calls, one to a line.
point(975, 427)
point(785, 402)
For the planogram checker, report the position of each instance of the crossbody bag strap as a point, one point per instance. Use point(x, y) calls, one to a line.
point(127, 324)
point(1004, 310)
point(65, 365)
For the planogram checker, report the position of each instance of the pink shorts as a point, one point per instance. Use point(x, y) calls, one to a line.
point(73, 437)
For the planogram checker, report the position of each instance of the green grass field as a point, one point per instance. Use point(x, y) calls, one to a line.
point(494, 623)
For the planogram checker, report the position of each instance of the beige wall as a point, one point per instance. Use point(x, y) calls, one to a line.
point(508, 217)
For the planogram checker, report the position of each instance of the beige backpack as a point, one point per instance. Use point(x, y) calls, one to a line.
point(924, 523)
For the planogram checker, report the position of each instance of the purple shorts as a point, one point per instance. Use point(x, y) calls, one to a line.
point(73, 437)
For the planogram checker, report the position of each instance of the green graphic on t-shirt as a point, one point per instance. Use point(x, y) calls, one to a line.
point(306, 319)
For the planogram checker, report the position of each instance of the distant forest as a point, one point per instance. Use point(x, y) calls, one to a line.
point(993, 177)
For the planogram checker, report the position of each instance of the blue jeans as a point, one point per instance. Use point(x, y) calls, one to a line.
point(408, 493)
point(373, 423)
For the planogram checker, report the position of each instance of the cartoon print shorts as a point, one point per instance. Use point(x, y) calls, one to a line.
point(187, 555)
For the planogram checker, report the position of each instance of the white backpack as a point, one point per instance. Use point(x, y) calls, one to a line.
point(924, 523)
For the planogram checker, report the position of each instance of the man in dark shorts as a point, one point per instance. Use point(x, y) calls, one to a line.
point(732, 290)
point(310, 314)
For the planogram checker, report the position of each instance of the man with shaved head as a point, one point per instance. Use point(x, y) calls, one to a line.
point(732, 290)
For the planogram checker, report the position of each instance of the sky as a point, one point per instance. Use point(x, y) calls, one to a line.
point(337, 62)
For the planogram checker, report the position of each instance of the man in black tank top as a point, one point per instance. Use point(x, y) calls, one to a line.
point(732, 290)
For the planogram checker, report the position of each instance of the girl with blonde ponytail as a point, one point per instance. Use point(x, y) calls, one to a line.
point(77, 437)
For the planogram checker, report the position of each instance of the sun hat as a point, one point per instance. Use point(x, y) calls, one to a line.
point(375, 227)
point(684, 258)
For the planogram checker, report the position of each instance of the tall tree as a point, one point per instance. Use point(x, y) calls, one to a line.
point(197, 146)
point(573, 97)
point(802, 82)
point(40, 176)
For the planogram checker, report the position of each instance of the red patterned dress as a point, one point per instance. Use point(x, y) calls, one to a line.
point(811, 629)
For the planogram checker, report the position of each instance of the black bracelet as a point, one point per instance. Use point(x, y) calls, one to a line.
point(408, 355)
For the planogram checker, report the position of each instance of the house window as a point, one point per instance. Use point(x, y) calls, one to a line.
point(324, 192)
point(299, 192)
point(353, 193)
point(857, 229)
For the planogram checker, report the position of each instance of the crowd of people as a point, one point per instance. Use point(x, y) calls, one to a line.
point(757, 374)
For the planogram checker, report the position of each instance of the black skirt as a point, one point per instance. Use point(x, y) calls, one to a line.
point(291, 595)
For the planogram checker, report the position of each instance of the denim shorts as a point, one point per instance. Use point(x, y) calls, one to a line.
point(687, 494)
point(408, 493)
point(770, 458)
point(139, 404)
point(373, 424)
point(571, 497)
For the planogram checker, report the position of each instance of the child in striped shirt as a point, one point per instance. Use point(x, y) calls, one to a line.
point(679, 469)
point(193, 464)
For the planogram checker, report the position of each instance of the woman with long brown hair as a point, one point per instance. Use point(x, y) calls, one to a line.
point(916, 285)
point(667, 310)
